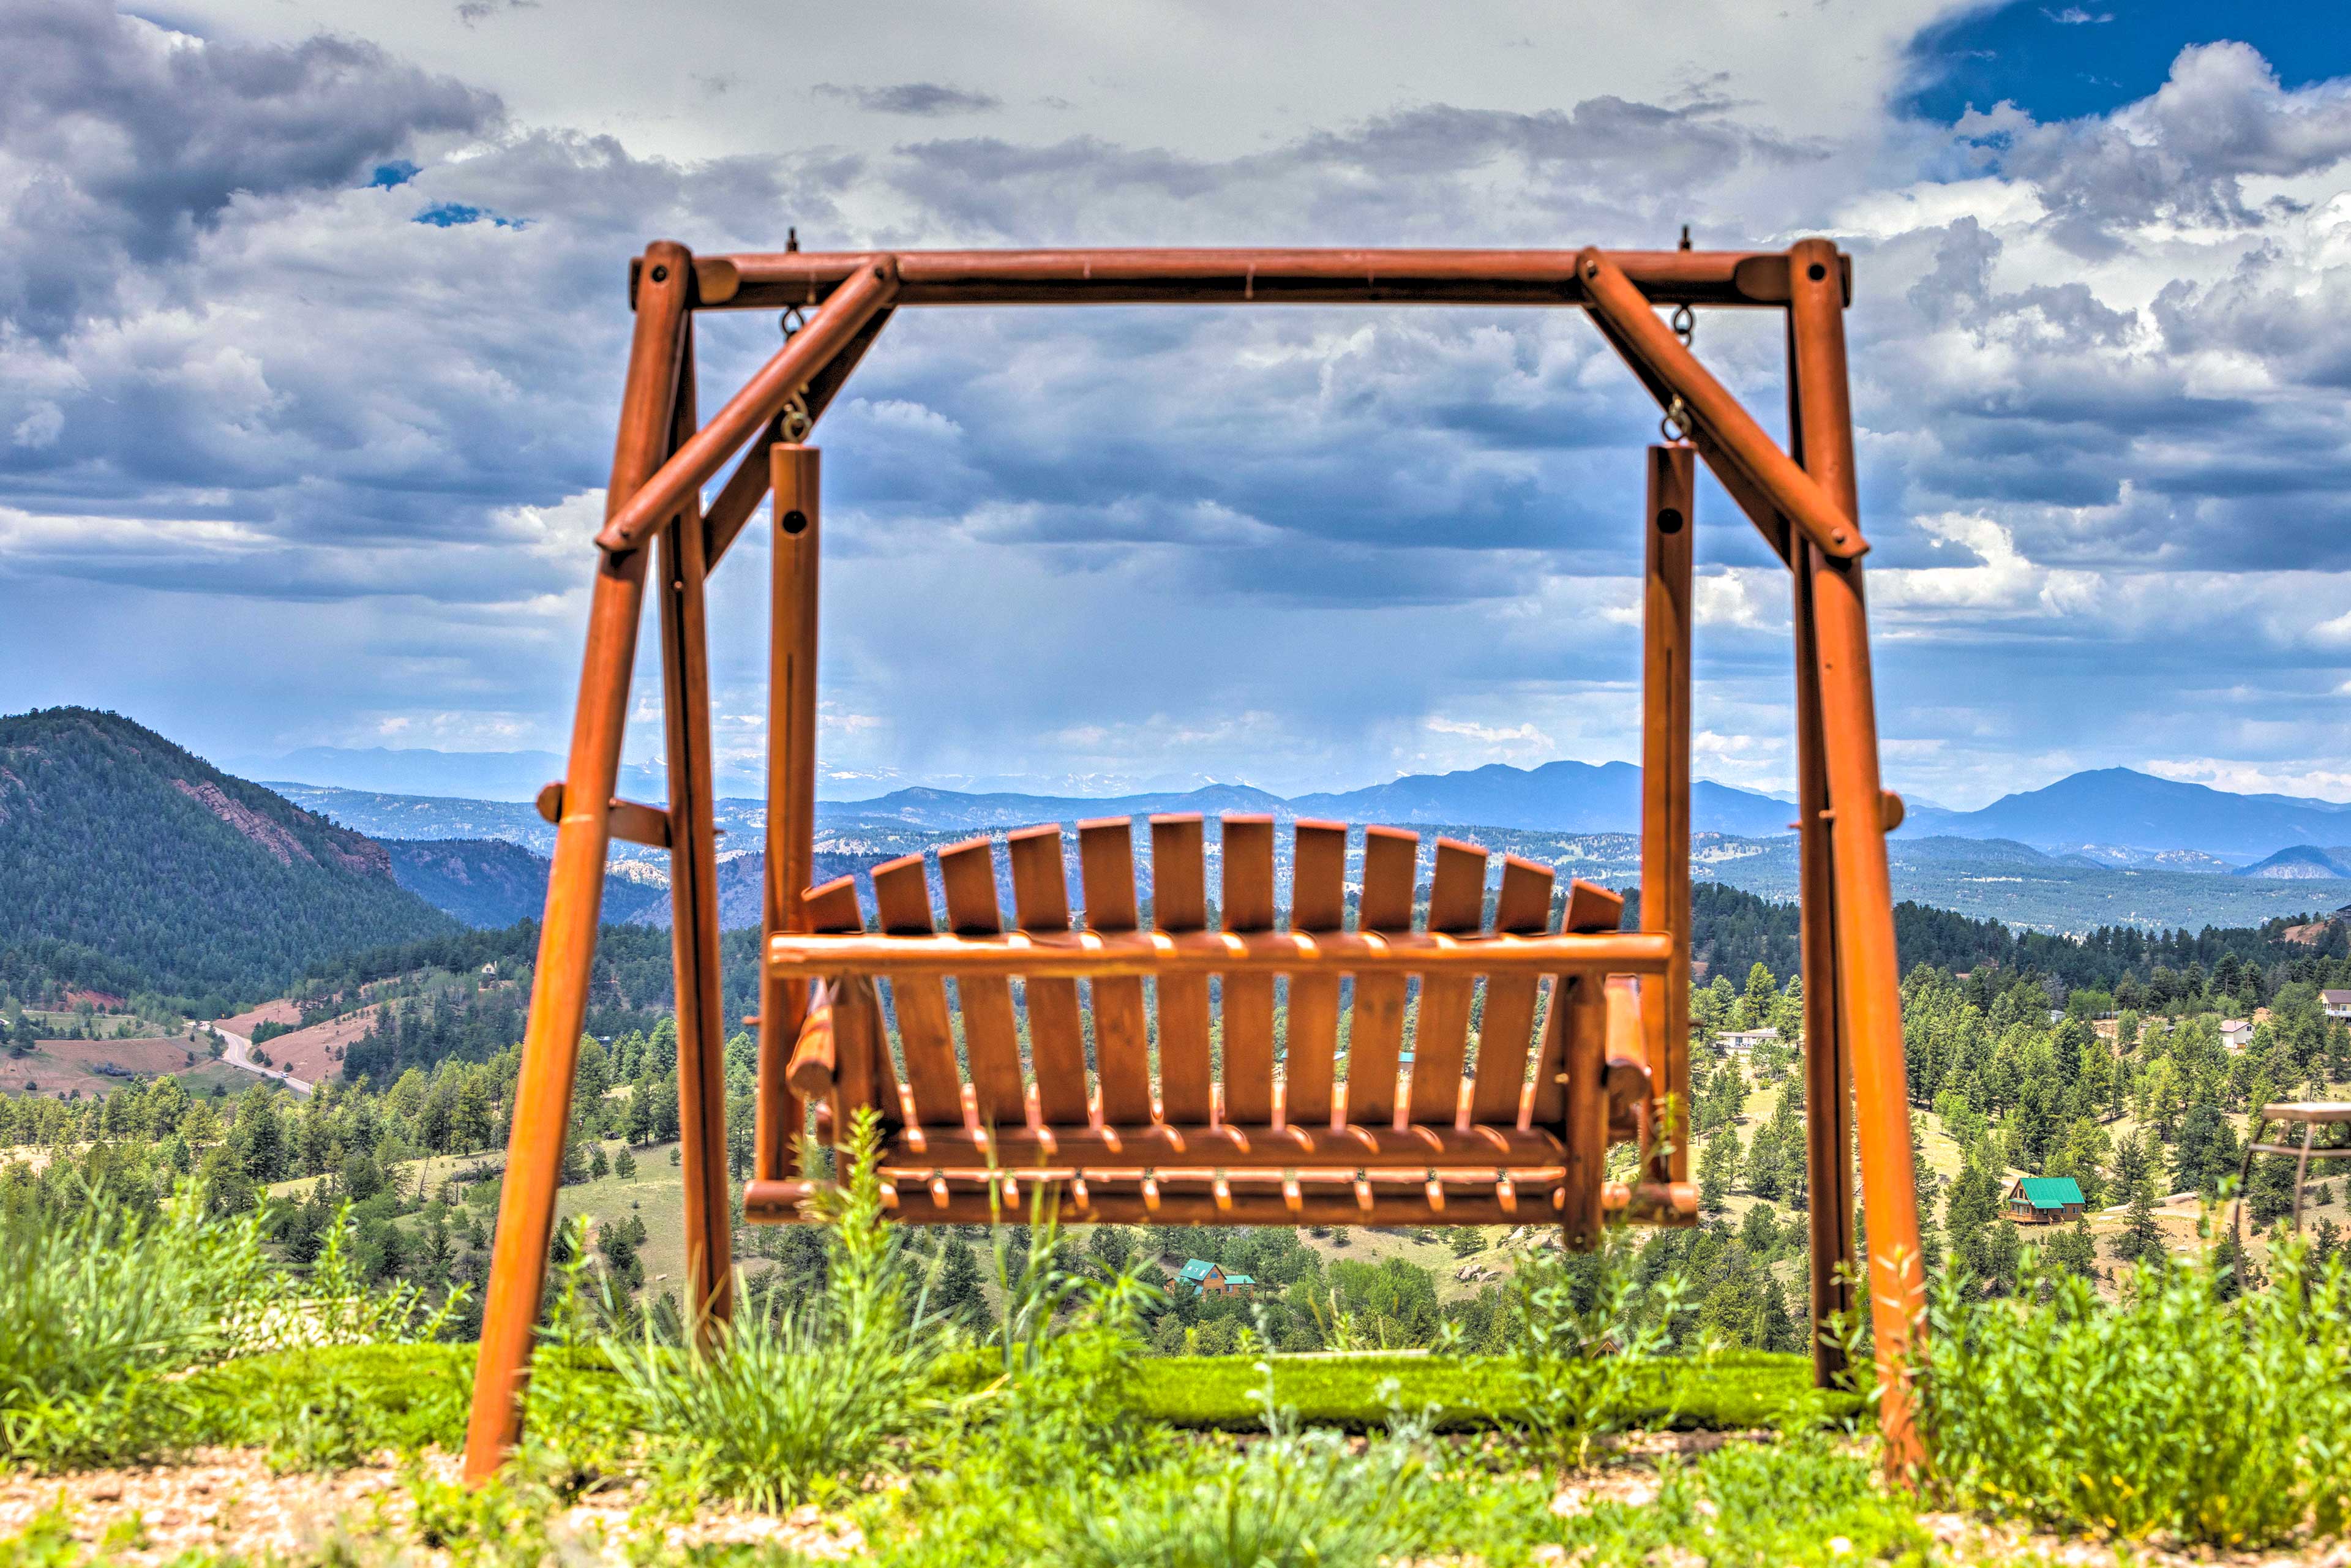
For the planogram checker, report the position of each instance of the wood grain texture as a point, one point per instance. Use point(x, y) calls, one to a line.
point(1665, 788)
point(1376, 1034)
point(991, 1031)
point(1318, 902)
point(1457, 905)
point(1057, 1043)
point(1121, 1021)
point(1504, 1038)
point(902, 901)
point(1248, 905)
point(795, 473)
point(1179, 901)
point(1583, 1125)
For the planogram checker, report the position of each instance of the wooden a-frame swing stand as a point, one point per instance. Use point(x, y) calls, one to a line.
point(1582, 1035)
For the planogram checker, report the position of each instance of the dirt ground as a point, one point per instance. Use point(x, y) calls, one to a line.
point(278, 1011)
point(316, 1054)
point(228, 1500)
point(62, 1066)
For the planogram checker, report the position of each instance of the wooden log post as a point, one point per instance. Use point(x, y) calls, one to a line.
point(694, 900)
point(1868, 966)
point(794, 471)
point(575, 887)
point(1828, 1056)
point(1666, 787)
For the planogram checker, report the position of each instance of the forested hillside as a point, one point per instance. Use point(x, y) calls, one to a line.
point(129, 865)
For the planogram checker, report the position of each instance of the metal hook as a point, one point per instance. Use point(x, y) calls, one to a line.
point(1676, 424)
point(794, 423)
point(794, 319)
point(1685, 324)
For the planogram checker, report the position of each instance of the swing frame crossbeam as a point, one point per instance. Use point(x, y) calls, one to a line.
point(660, 538)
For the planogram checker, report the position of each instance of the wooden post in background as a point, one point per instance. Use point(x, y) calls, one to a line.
point(1828, 1056)
point(1665, 779)
point(575, 884)
point(794, 474)
point(1869, 975)
point(693, 901)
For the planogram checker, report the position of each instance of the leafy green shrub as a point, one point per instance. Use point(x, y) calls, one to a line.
point(2172, 1410)
point(1583, 1346)
point(1294, 1499)
point(797, 1395)
point(1803, 1502)
point(96, 1305)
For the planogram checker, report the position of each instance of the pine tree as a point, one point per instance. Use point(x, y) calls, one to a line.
point(625, 1164)
point(1716, 1162)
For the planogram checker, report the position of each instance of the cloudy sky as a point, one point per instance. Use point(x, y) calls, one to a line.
point(312, 324)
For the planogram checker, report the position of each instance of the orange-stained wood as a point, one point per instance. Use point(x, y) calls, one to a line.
point(1835, 1265)
point(1752, 501)
point(1870, 972)
point(772, 386)
point(1591, 911)
point(1457, 905)
point(1375, 1032)
point(1122, 1023)
point(1057, 1042)
point(1318, 902)
point(1239, 1147)
point(991, 1034)
point(773, 279)
point(1179, 901)
point(1585, 1122)
point(1197, 955)
point(1636, 328)
point(1522, 907)
point(1670, 525)
point(694, 900)
point(902, 898)
point(815, 1062)
point(794, 474)
point(1471, 1201)
point(752, 478)
point(575, 886)
point(1248, 905)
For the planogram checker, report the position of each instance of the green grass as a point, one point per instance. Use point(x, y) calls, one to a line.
point(1734, 1392)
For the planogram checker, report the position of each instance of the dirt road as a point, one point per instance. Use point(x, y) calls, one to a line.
point(239, 1053)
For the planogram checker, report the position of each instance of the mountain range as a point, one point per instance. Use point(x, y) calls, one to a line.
point(2113, 816)
point(127, 865)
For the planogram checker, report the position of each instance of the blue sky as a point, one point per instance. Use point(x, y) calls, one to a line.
point(311, 333)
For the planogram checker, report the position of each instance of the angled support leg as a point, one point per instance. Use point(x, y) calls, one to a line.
point(1868, 967)
point(694, 902)
point(1828, 1057)
point(575, 886)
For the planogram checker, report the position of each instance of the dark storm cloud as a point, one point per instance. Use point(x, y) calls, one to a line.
point(234, 319)
point(126, 146)
point(918, 100)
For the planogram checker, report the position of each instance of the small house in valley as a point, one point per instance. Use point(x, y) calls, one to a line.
point(2336, 1003)
point(2045, 1200)
point(1740, 1043)
point(2236, 1034)
point(1206, 1279)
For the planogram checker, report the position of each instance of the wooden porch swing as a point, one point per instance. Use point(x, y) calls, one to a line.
point(1163, 1091)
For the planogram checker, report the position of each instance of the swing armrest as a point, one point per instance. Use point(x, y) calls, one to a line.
point(815, 1055)
point(1627, 1075)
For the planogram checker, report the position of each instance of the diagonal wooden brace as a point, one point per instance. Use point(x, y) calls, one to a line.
point(1654, 351)
point(764, 396)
